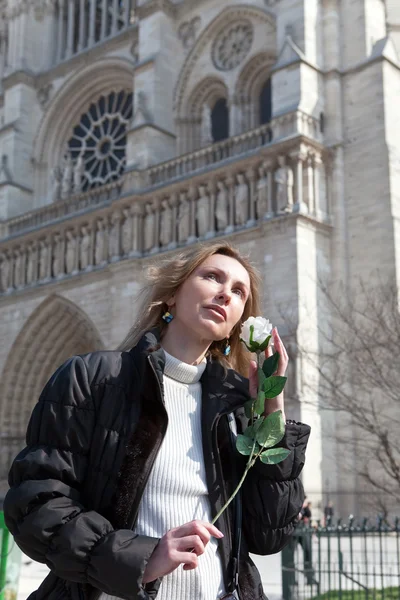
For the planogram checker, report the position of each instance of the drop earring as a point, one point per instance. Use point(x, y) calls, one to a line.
point(227, 349)
point(167, 317)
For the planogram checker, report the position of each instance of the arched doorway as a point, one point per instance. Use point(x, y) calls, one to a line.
point(56, 330)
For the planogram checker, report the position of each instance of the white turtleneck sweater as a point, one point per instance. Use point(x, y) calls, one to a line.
point(176, 491)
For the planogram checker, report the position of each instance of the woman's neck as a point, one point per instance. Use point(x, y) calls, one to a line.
point(182, 346)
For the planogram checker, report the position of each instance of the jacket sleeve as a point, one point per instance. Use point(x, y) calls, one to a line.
point(43, 508)
point(272, 495)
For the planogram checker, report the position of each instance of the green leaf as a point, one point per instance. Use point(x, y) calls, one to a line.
point(270, 364)
point(274, 456)
point(273, 386)
point(252, 430)
point(247, 408)
point(244, 444)
point(272, 430)
point(265, 343)
point(260, 403)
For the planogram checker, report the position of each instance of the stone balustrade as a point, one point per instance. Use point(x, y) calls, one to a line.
point(227, 200)
point(270, 135)
point(285, 126)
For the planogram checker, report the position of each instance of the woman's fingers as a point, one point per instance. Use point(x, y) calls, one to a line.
point(202, 529)
point(191, 543)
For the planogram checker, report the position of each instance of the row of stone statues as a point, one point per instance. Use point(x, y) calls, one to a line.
point(67, 179)
point(200, 212)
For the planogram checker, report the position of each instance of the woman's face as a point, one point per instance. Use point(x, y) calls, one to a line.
point(212, 300)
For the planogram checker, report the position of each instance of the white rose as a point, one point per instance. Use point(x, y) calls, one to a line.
point(261, 330)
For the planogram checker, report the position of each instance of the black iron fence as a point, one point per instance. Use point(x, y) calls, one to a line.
point(357, 560)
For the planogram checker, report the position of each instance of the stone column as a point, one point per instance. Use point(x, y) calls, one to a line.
point(114, 239)
point(320, 194)
point(70, 28)
point(192, 226)
point(103, 32)
point(174, 201)
point(230, 182)
point(82, 25)
point(61, 30)
point(114, 22)
point(310, 184)
point(156, 236)
point(251, 178)
point(137, 229)
point(270, 177)
point(92, 22)
point(127, 13)
point(300, 156)
point(212, 189)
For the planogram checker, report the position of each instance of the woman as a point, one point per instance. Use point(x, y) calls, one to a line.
point(130, 453)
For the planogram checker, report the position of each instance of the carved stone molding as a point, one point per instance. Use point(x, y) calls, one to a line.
point(187, 32)
point(231, 46)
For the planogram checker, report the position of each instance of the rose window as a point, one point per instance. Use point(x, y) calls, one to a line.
point(232, 46)
point(98, 142)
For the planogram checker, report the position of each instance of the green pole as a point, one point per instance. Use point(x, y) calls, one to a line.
point(5, 534)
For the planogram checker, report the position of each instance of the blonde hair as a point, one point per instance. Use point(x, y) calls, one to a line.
point(164, 280)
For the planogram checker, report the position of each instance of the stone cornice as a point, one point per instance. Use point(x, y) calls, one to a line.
point(86, 57)
point(16, 77)
point(152, 6)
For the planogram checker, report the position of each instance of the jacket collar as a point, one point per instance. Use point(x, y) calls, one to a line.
point(228, 388)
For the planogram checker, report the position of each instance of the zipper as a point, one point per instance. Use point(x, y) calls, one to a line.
point(135, 508)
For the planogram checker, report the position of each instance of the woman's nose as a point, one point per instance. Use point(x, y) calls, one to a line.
point(224, 296)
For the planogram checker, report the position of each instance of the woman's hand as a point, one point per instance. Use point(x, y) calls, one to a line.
point(277, 403)
point(180, 545)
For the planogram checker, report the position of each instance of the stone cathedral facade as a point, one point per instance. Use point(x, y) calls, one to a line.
point(130, 129)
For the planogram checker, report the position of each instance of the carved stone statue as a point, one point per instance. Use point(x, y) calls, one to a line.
point(206, 128)
point(4, 272)
point(262, 193)
point(100, 243)
point(70, 253)
point(18, 274)
point(222, 207)
point(56, 178)
point(31, 266)
point(149, 226)
point(203, 211)
point(113, 240)
point(183, 218)
point(166, 224)
point(126, 233)
point(85, 248)
point(43, 260)
point(66, 183)
point(79, 171)
point(241, 201)
point(284, 186)
point(58, 258)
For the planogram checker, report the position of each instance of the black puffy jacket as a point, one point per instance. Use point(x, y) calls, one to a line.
point(91, 442)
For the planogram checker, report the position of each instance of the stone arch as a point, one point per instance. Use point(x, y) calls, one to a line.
point(230, 14)
point(208, 91)
point(69, 103)
point(189, 128)
point(249, 85)
point(56, 330)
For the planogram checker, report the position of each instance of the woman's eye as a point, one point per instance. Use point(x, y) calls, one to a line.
point(212, 276)
point(239, 292)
